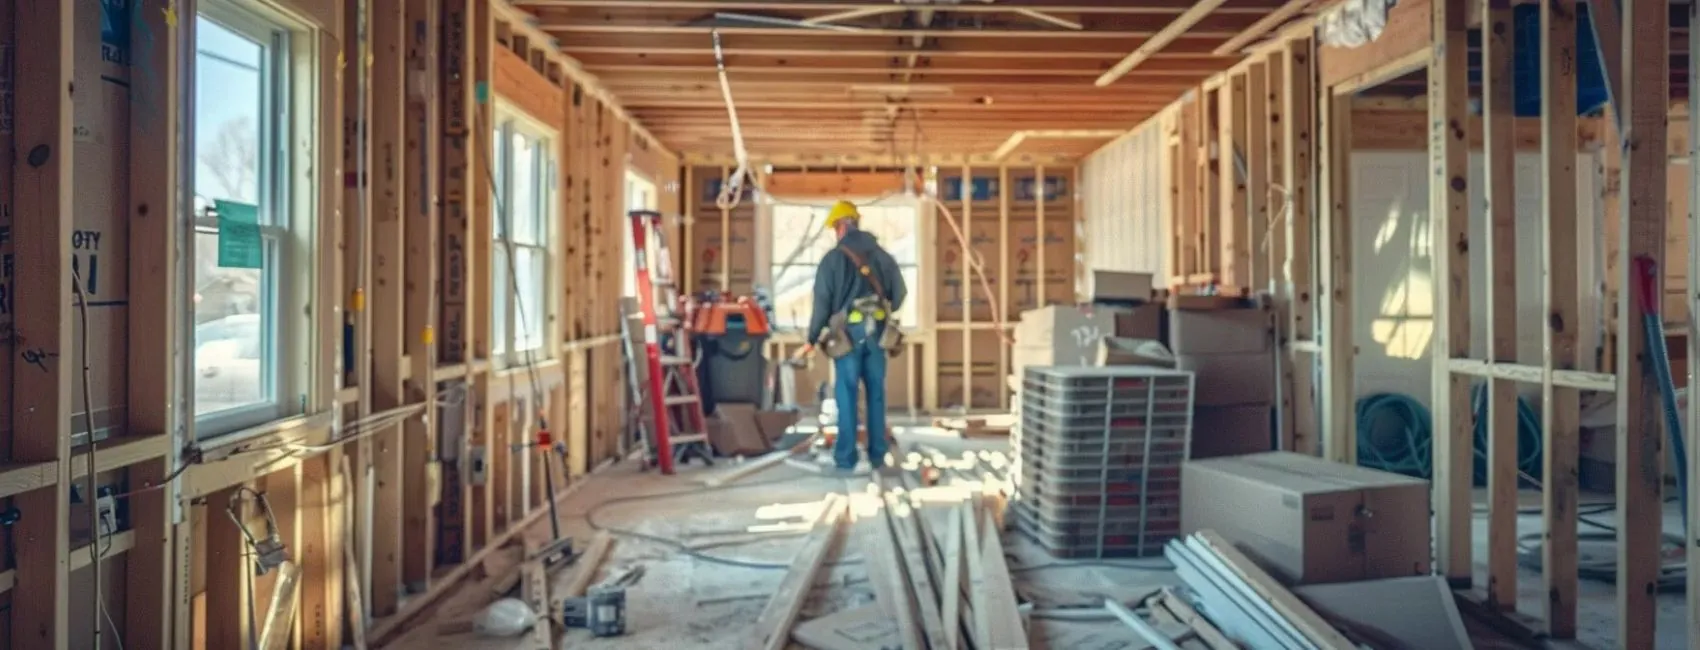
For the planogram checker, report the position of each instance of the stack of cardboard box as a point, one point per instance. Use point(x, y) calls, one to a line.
point(1231, 352)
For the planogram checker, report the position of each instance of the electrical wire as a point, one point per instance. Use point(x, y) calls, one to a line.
point(528, 359)
point(676, 545)
point(88, 427)
point(253, 548)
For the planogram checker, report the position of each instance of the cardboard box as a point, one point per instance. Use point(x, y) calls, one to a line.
point(1308, 520)
point(1117, 286)
point(1070, 334)
point(1231, 430)
point(733, 430)
point(1141, 322)
point(1230, 379)
point(1220, 331)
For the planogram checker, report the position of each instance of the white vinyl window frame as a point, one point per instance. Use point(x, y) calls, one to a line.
point(533, 190)
point(289, 106)
point(640, 195)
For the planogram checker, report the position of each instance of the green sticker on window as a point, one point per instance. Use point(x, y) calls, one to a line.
point(239, 245)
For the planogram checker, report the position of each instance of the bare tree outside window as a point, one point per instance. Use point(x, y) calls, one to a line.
point(232, 160)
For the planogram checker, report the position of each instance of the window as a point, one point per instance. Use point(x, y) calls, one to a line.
point(525, 209)
point(250, 265)
point(800, 239)
point(640, 195)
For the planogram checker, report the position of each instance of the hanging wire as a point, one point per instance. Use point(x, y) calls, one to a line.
point(732, 190)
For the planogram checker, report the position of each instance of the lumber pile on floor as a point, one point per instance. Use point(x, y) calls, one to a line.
point(1235, 601)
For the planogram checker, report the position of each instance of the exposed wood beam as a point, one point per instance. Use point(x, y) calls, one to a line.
point(420, 290)
point(1449, 175)
point(1262, 27)
point(1162, 40)
point(1500, 279)
point(1644, 103)
point(1051, 19)
point(826, 63)
point(838, 16)
point(1257, 7)
point(1071, 31)
point(41, 190)
point(812, 42)
point(388, 72)
point(1561, 405)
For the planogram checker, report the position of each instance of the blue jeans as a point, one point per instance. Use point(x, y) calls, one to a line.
point(864, 367)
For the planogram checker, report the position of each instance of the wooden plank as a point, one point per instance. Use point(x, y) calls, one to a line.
point(1255, 138)
point(1500, 280)
point(1007, 631)
point(485, 445)
point(1339, 426)
point(589, 564)
point(1232, 222)
point(1409, 30)
point(1300, 181)
point(1561, 405)
point(1646, 77)
point(873, 534)
point(773, 628)
point(979, 621)
point(912, 556)
point(1692, 414)
point(953, 580)
point(280, 616)
point(42, 303)
point(153, 329)
point(388, 137)
point(458, 161)
point(227, 572)
point(419, 201)
point(1181, 25)
point(1301, 616)
point(1454, 440)
point(320, 552)
point(1277, 201)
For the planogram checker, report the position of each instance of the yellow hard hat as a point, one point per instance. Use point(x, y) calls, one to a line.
point(840, 211)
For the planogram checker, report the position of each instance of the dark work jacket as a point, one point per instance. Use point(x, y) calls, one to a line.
point(838, 282)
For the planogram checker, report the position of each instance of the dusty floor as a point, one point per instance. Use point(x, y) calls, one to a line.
point(705, 601)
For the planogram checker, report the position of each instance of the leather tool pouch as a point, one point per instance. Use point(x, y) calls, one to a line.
point(835, 340)
point(891, 336)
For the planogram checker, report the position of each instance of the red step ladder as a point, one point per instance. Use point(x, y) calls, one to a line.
point(679, 428)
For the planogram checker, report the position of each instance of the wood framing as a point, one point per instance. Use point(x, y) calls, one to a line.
point(41, 333)
point(1562, 410)
point(1643, 105)
point(1454, 420)
point(156, 348)
point(1338, 398)
point(1299, 167)
point(386, 295)
point(1500, 280)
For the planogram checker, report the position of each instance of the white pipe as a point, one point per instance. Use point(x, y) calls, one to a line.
point(731, 192)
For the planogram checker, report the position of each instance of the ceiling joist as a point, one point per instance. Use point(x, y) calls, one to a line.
point(895, 80)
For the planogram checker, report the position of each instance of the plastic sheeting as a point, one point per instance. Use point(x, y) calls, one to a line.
point(1354, 23)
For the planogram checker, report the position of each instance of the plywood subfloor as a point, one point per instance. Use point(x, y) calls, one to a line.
point(687, 602)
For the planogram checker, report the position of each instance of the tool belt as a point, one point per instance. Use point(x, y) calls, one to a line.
point(867, 312)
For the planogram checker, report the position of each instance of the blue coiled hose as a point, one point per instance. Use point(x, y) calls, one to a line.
point(1396, 434)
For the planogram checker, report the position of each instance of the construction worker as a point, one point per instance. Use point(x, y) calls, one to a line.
point(858, 290)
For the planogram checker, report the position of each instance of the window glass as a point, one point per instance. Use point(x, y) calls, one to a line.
point(525, 215)
point(235, 342)
point(801, 239)
point(525, 208)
